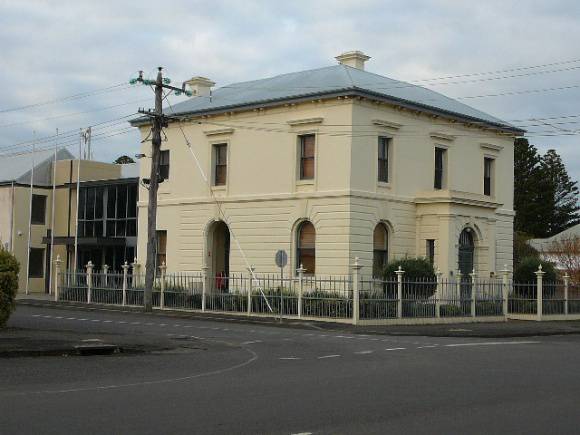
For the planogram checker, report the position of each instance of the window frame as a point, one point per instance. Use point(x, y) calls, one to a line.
point(384, 144)
point(216, 153)
point(488, 163)
point(31, 272)
point(440, 174)
point(430, 250)
point(164, 166)
point(302, 158)
point(33, 215)
point(160, 255)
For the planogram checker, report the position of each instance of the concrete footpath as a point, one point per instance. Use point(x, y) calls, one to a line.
point(511, 328)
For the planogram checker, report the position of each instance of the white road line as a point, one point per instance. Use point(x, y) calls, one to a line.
point(70, 318)
point(291, 358)
point(47, 317)
point(95, 320)
point(491, 343)
point(107, 321)
point(396, 348)
point(427, 346)
point(135, 323)
point(364, 352)
point(82, 320)
point(328, 356)
point(252, 342)
point(177, 325)
point(121, 321)
point(36, 315)
point(302, 433)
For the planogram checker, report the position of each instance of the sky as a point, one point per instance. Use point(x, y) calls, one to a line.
point(52, 50)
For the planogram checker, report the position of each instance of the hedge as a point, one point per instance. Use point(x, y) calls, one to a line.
point(9, 269)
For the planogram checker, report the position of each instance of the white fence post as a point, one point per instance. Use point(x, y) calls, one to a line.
point(301, 272)
point(356, 267)
point(125, 268)
point(89, 280)
point(57, 264)
point(400, 272)
point(163, 271)
point(250, 289)
point(566, 289)
point(136, 271)
point(438, 291)
point(540, 292)
point(473, 292)
point(505, 289)
point(204, 270)
point(105, 273)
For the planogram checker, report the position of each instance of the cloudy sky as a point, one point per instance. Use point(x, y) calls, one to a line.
point(88, 50)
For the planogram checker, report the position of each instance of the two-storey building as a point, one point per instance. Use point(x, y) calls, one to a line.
point(331, 164)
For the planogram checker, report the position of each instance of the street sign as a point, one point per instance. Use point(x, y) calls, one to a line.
point(281, 258)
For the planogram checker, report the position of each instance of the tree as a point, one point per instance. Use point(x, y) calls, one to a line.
point(9, 269)
point(561, 193)
point(124, 160)
point(566, 253)
point(528, 190)
point(545, 198)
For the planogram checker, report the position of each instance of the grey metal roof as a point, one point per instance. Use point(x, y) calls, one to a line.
point(17, 168)
point(329, 80)
point(545, 244)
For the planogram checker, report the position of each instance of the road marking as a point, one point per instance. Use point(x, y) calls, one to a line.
point(47, 317)
point(107, 321)
point(36, 315)
point(252, 342)
point(491, 343)
point(328, 356)
point(427, 346)
point(291, 358)
point(364, 352)
point(177, 325)
point(135, 323)
point(95, 320)
point(302, 433)
point(396, 348)
point(81, 320)
point(121, 321)
point(70, 318)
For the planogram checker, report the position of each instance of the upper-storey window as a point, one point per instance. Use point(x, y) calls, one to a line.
point(440, 166)
point(220, 158)
point(164, 164)
point(383, 160)
point(38, 210)
point(307, 148)
point(487, 175)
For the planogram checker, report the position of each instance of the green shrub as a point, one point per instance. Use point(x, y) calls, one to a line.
point(525, 271)
point(420, 279)
point(9, 269)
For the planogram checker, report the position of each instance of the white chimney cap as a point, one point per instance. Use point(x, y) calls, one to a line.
point(355, 59)
point(200, 86)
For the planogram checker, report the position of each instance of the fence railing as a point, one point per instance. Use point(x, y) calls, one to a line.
point(354, 298)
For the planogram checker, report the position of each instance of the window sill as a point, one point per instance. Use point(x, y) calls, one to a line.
point(305, 182)
point(384, 185)
point(219, 188)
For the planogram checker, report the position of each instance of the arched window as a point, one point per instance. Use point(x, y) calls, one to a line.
point(305, 247)
point(380, 249)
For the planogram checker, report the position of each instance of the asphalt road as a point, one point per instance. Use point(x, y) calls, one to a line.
point(229, 377)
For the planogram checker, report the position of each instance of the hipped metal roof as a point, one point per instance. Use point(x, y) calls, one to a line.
point(328, 81)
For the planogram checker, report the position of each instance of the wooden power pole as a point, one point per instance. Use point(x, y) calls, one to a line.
point(159, 121)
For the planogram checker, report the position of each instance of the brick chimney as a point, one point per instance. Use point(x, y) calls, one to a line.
point(200, 86)
point(355, 59)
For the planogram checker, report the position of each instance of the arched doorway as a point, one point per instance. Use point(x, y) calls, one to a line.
point(380, 249)
point(466, 252)
point(219, 253)
point(306, 247)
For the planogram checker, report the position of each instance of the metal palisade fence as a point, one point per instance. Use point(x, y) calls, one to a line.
point(355, 298)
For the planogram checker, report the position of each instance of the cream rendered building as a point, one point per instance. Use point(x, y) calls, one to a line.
point(331, 164)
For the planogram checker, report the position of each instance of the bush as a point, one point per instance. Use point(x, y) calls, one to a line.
point(9, 269)
point(525, 271)
point(419, 274)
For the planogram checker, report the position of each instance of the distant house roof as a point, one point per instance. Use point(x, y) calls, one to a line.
point(18, 168)
point(328, 81)
point(544, 244)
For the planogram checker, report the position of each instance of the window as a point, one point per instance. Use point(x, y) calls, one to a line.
point(161, 251)
point(380, 249)
point(38, 210)
point(430, 250)
point(307, 142)
point(164, 164)
point(36, 263)
point(487, 175)
point(439, 168)
point(220, 156)
point(306, 250)
point(383, 162)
